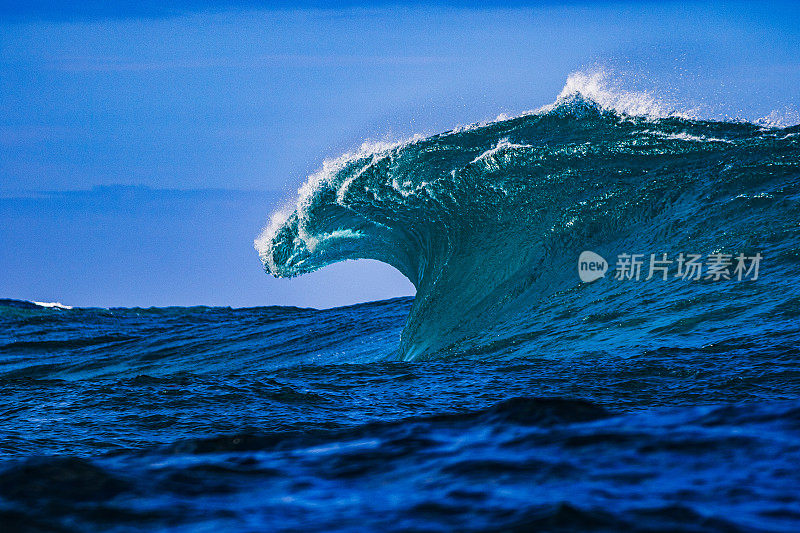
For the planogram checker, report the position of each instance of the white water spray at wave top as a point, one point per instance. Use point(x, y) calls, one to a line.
point(780, 118)
point(606, 90)
point(53, 305)
point(600, 87)
point(330, 167)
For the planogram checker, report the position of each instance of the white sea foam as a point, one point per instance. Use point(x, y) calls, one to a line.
point(600, 87)
point(53, 305)
point(683, 136)
point(330, 167)
point(780, 118)
point(501, 146)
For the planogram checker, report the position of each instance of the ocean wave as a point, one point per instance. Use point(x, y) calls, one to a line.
point(25, 304)
point(488, 221)
point(601, 88)
point(53, 305)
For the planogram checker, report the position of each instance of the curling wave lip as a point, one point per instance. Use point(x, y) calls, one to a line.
point(485, 220)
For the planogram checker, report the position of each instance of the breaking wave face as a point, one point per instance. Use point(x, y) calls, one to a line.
point(488, 221)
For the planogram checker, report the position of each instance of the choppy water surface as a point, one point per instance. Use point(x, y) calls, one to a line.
point(288, 419)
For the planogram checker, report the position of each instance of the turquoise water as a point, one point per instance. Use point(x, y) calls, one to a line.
point(488, 223)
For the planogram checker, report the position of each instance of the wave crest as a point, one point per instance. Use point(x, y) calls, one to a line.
point(487, 221)
point(601, 88)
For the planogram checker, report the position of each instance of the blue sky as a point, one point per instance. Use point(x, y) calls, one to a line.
point(217, 114)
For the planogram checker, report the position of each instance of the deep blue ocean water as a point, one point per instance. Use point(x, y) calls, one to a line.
point(507, 395)
point(283, 419)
